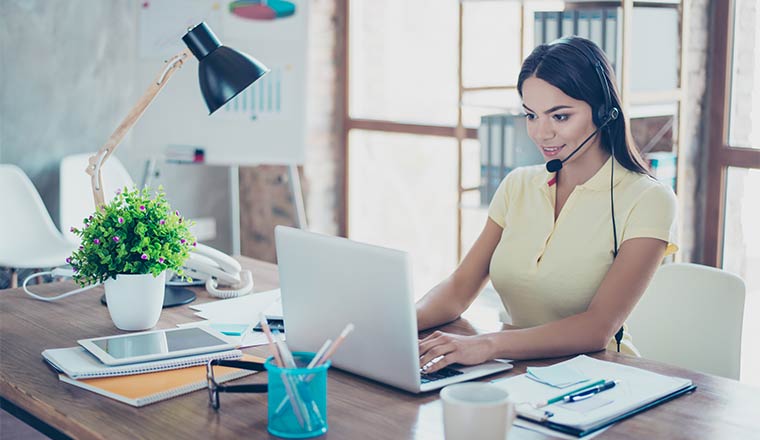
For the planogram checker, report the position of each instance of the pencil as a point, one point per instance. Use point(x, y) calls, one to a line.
point(272, 346)
point(348, 329)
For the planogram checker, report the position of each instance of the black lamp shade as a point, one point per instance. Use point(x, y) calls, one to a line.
point(222, 72)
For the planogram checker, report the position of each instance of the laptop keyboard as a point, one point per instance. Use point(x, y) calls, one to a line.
point(443, 373)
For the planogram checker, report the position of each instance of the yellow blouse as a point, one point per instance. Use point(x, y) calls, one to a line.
point(546, 270)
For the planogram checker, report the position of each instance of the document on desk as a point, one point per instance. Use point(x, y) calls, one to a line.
point(637, 390)
point(244, 310)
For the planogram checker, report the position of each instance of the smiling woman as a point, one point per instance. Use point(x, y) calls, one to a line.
point(571, 246)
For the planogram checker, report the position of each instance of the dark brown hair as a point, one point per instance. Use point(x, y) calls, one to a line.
point(568, 69)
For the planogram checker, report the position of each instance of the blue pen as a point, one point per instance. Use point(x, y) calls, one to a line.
point(585, 394)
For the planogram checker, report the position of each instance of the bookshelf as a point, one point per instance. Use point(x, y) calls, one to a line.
point(649, 69)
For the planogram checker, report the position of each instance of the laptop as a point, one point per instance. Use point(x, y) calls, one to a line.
point(328, 282)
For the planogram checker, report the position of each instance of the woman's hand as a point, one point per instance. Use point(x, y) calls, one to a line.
point(449, 348)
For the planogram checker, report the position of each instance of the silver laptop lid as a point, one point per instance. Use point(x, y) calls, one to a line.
point(327, 282)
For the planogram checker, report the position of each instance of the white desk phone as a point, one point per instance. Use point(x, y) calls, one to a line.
point(215, 267)
point(205, 265)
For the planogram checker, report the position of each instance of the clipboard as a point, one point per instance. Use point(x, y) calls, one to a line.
point(582, 433)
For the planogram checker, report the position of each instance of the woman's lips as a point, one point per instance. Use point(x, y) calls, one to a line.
point(551, 150)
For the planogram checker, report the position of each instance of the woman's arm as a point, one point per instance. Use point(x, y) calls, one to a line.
point(591, 330)
point(446, 301)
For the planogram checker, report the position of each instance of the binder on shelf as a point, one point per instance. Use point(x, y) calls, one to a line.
point(596, 27)
point(569, 23)
point(552, 26)
point(611, 36)
point(584, 24)
point(538, 28)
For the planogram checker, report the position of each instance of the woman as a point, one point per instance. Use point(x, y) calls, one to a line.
point(548, 246)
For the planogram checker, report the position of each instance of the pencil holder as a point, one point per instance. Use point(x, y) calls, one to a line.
point(297, 406)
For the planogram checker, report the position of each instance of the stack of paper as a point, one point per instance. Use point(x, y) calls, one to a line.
point(558, 375)
point(236, 317)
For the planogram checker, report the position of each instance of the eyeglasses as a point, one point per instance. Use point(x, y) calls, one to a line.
point(215, 388)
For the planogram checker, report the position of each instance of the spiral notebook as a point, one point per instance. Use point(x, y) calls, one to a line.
point(143, 389)
point(78, 363)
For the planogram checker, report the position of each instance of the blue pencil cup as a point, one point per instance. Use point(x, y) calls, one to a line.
point(297, 398)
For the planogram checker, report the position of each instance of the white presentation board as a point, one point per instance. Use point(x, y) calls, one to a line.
point(266, 123)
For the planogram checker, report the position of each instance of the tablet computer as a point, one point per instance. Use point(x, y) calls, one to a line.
point(158, 344)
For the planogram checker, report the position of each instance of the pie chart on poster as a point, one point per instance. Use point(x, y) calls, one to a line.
point(262, 9)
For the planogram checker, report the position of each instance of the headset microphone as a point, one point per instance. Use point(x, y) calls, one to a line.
point(555, 165)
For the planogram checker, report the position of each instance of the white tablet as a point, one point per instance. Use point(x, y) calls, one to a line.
point(158, 344)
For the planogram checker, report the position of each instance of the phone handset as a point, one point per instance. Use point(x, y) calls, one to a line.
point(207, 263)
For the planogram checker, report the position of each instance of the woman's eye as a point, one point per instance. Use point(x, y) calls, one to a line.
point(561, 117)
point(529, 116)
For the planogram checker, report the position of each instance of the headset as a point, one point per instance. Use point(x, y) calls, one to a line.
point(603, 116)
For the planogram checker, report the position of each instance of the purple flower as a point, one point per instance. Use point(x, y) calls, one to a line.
point(81, 247)
point(121, 219)
point(96, 241)
point(68, 259)
point(118, 191)
point(182, 241)
point(71, 229)
point(176, 213)
point(161, 259)
point(161, 222)
point(142, 207)
point(76, 269)
point(116, 239)
point(89, 218)
point(144, 256)
point(195, 243)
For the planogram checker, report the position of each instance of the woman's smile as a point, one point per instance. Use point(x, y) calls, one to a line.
point(551, 150)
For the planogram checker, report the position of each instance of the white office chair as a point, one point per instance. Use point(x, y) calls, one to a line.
point(691, 316)
point(76, 201)
point(28, 236)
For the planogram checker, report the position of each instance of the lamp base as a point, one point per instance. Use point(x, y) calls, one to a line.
point(173, 296)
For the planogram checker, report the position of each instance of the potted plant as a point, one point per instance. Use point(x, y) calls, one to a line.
point(128, 244)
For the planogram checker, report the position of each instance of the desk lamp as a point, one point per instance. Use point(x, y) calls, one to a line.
point(222, 72)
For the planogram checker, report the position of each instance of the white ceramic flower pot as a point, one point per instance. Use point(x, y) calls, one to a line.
point(135, 301)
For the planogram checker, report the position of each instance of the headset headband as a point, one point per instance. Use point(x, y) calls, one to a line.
point(607, 113)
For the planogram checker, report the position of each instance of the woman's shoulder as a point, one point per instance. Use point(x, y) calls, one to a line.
point(652, 190)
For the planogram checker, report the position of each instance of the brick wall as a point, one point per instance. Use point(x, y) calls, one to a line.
point(694, 147)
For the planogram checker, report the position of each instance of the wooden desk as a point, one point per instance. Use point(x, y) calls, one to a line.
point(358, 408)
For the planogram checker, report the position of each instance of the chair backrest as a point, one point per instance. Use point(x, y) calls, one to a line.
point(691, 316)
point(25, 222)
point(76, 191)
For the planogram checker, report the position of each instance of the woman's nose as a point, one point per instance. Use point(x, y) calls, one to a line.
point(544, 130)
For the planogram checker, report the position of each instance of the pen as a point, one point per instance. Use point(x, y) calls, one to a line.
point(569, 393)
point(585, 394)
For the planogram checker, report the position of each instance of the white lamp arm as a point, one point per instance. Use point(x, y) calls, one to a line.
point(96, 161)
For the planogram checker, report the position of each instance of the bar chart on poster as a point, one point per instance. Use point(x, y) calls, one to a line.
point(264, 124)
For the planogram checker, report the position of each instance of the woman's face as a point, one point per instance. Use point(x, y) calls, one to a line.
point(557, 123)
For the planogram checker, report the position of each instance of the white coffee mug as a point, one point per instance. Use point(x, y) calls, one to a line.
point(476, 410)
